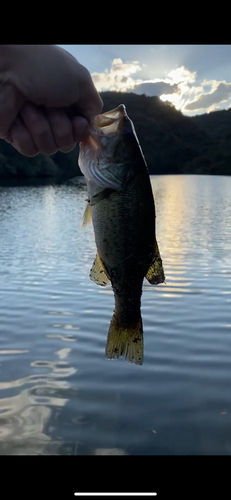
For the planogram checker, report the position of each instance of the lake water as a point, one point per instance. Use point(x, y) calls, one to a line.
point(58, 393)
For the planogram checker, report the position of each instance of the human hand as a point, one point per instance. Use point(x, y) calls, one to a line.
point(46, 99)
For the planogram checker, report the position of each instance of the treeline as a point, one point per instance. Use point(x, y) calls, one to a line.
point(14, 166)
point(172, 143)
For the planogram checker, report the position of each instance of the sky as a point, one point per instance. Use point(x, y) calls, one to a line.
point(195, 78)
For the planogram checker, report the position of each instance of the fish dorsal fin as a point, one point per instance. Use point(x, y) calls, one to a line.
point(98, 273)
point(155, 274)
point(87, 216)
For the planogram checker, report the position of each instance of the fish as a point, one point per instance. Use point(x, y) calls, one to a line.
point(122, 209)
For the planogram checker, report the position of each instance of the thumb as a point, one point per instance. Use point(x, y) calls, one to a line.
point(89, 105)
point(89, 102)
point(11, 101)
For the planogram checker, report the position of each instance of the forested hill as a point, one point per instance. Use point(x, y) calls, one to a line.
point(172, 143)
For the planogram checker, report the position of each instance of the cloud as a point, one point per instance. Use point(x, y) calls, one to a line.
point(124, 68)
point(122, 77)
point(181, 79)
point(214, 108)
point(180, 86)
point(118, 77)
point(157, 88)
point(181, 75)
point(221, 94)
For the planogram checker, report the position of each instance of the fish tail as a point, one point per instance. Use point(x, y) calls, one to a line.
point(125, 341)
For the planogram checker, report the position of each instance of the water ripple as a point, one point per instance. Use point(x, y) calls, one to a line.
point(58, 392)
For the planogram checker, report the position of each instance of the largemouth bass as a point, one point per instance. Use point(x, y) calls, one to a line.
point(121, 204)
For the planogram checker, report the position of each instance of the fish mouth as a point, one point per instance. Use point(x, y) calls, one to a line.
point(109, 122)
point(101, 154)
point(114, 122)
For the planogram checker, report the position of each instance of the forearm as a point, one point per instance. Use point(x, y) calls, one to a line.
point(21, 66)
point(7, 58)
point(10, 55)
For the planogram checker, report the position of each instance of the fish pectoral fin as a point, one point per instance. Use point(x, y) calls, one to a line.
point(98, 273)
point(155, 274)
point(87, 216)
point(127, 342)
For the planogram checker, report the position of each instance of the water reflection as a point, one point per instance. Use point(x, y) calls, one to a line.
point(58, 393)
point(25, 417)
point(109, 451)
point(65, 338)
point(13, 351)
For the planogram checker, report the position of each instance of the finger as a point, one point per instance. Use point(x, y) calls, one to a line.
point(39, 128)
point(80, 128)
point(20, 138)
point(62, 129)
point(8, 138)
point(89, 103)
point(11, 101)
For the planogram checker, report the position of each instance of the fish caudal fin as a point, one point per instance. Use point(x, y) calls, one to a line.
point(127, 342)
point(155, 274)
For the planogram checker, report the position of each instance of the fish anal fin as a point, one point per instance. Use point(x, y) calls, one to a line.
point(87, 216)
point(98, 273)
point(127, 342)
point(155, 274)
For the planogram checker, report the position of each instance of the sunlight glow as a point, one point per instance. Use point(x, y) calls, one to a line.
point(184, 93)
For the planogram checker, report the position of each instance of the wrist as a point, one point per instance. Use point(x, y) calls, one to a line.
point(7, 57)
point(12, 59)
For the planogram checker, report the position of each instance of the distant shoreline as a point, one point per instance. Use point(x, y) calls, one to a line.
point(172, 143)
